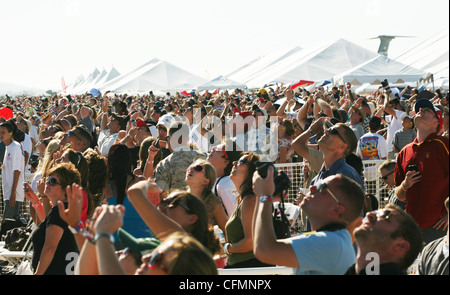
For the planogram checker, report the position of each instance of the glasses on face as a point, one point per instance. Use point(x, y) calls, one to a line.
point(197, 168)
point(387, 175)
point(322, 187)
point(52, 181)
point(384, 214)
point(243, 161)
point(334, 131)
point(173, 202)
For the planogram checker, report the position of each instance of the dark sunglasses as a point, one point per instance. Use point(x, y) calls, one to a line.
point(243, 161)
point(197, 168)
point(322, 187)
point(334, 131)
point(173, 202)
point(52, 181)
point(387, 175)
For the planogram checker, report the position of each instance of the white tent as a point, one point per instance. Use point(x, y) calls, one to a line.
point(431, 55)
point(314, 64)
point(244, 73)
point(377, 69)
point(105, 77)
point(83, 86)
point(220, 82)
point(153, 75)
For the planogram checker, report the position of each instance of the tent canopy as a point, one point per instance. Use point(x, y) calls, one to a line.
point(244, 73)
point(431, 55)
point(377, 69)
point(153, 75)
point(220, 82)
point(316, 63)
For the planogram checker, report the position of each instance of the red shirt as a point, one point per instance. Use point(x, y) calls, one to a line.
point(425, 199)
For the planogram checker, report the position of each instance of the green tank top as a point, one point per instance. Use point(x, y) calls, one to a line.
point(235, 233)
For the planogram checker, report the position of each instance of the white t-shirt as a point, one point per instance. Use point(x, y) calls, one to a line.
point(394, 124)
point(226, 191)
point(106, 142)
point(371, 146)
point(13, 160)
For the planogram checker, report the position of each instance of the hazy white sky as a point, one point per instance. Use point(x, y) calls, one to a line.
point(44, 40)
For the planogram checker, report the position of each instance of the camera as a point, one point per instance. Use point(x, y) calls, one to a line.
point(385, 85)
point(262, 167)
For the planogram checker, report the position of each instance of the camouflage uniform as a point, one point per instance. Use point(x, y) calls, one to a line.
point(170, 173)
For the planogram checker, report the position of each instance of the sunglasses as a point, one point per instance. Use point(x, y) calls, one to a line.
point(173, 202)
point(322, 187)
point(387, 175)
point(334, 131)
point(197, 168)
point(383, 214)
point(52, 181)
point(243, 161)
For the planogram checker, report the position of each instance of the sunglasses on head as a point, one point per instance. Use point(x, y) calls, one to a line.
point(173, 202)
point(334, 131)
point(52, 181)
point(322, 187)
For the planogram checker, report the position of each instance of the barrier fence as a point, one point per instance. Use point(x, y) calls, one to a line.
point(373, 184)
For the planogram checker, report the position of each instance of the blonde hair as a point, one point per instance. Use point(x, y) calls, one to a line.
point(47, 159)
point(188, 256)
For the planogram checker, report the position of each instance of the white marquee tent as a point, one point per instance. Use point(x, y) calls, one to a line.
point(431, 55)
point(315, 64)
point(222, 83)
point(94, 80)
point(377, 69)
point(153, 75)
point(244, 73)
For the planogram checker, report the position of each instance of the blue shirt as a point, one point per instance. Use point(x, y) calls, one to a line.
point(324, 252)
point(132, 221)
point(339, 167)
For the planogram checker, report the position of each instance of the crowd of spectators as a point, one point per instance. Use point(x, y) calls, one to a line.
point(135, 184)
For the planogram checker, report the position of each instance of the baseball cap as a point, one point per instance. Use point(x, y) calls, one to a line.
point(426, 103)
point(121, 120)
point(140, 123)
point(165, 121)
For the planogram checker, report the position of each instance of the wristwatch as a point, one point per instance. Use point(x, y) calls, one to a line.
point(104, 235)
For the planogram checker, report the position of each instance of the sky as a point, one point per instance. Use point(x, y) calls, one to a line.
point(45, 40)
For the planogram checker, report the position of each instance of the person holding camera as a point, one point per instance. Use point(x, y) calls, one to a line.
point(330, 205)
point(421, 172)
